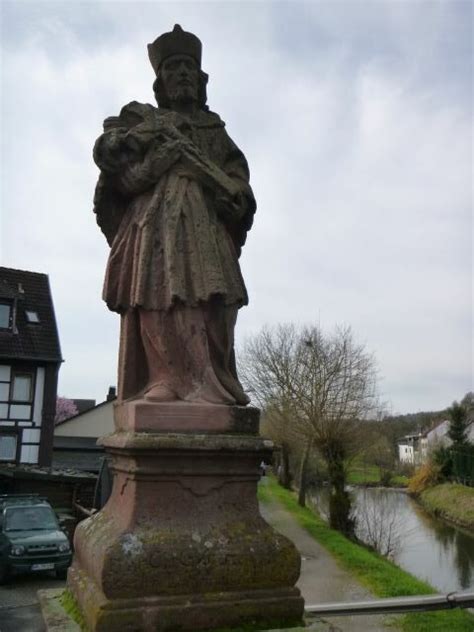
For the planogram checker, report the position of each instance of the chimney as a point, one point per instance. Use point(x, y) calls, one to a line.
point(112, 394)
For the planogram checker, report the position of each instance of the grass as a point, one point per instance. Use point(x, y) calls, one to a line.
point(400, 480)
point(451, 501)
point(380, 576)
point(361, 474)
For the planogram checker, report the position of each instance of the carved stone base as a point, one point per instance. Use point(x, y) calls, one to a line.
point(180, 543)
point(141, 415)
point(188, 612)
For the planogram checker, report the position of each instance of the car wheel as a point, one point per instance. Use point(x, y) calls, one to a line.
point(61, 574)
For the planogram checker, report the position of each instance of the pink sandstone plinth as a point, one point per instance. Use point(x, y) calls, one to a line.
point(181, 545)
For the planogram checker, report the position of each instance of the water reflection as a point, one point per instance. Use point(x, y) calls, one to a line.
point(427, 547)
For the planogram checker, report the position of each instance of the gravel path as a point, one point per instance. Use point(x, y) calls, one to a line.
point(322, 580)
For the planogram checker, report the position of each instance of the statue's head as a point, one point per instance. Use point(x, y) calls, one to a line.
point(176, 60)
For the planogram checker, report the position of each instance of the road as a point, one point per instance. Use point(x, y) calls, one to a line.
point(19, 609)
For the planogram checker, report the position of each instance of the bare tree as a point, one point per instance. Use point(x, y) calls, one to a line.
point(325, 387)
point(268, 368)
point(276, 425)
point(379, 452)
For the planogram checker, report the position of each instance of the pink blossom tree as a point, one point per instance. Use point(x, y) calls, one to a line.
point(65, 408)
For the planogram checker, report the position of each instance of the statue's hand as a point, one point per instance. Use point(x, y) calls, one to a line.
point(144, 171)
point(188, 147)
point(159, 158)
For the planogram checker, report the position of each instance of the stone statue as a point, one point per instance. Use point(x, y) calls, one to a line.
point(174, 202)
point(180, 543)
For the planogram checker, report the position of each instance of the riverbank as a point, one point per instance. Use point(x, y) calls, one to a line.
point(382, 578)
point(451, 502)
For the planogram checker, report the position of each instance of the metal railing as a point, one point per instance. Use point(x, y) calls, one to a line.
point(424, 603)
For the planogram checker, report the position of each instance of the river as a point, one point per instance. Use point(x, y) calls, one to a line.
point(428, 548)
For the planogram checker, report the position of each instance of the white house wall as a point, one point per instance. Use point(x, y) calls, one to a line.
point(93, 423)
point(39, 397)
point(31, 431)
point(406, 454)
point(29, 454)
point(29, 428)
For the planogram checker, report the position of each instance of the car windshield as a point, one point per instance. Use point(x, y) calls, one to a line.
point(30, 518)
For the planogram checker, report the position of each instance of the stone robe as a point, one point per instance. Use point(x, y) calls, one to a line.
point(174, 245)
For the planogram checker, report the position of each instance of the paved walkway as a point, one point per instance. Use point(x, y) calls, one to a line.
point(19, 608)
point(322, 580)
point(21, 619)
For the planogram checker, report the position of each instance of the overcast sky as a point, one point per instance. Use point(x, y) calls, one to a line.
point(356, 120)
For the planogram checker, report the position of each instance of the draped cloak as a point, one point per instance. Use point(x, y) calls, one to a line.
point(175, 235)
point(170, 241)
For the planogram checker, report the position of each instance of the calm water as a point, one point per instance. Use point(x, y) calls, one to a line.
point(425, 546)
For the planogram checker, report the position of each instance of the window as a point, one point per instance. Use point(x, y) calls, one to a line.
point(4, 391)
point(16, 393)
point(32, 317)
point(30, 518)
point(22, 387)
point(8, 446)
point(6, 313)
point(5, 372)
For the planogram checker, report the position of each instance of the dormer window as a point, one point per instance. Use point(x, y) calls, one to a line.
point(32, 317)
point(6, 314)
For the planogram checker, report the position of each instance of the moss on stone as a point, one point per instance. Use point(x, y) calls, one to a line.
point(71, 607)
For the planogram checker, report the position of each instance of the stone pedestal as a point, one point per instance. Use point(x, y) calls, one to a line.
point(181, 545)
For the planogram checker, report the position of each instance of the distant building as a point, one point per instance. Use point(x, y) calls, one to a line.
point(75, 439)
point(415, 449)
point(30, 357)
point(84, 404)
point(409, 449)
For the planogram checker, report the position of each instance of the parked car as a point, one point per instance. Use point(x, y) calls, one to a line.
point(31, 538)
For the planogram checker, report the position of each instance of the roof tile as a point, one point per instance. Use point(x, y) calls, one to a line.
point(36, 341)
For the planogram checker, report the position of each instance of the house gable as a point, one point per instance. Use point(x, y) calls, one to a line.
point(30, 357)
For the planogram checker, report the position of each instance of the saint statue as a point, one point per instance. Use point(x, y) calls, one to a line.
point(174, 202)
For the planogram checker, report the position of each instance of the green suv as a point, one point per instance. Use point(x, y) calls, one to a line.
point(30, 537)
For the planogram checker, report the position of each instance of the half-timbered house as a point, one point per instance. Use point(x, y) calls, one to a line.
point(30, 357)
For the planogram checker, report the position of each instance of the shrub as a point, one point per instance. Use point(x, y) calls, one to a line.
point(385, 477)
point(426, 476)
point(463, 464)
point(405, 469)
point(443, 458)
